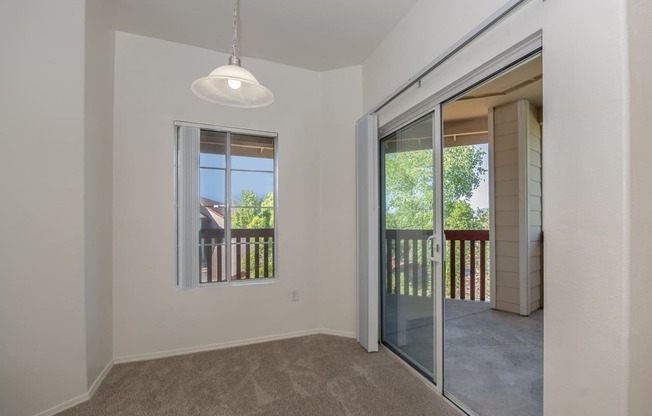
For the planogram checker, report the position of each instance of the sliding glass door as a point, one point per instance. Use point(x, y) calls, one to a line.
point(484, 344)
point(409, 245)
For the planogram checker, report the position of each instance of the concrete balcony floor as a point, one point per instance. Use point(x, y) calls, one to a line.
point(493, 360)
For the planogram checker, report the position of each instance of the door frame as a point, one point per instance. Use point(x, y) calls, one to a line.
point(438, 255)
point(511, 58)
point(437, 247)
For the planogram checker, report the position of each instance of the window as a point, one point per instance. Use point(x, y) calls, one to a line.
point(226, 205)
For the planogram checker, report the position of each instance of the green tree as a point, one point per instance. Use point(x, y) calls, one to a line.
point(258, 213)
point(461, 216)
point(409, 196)
point(462, 175)
point(482, 216)
point(408, 188)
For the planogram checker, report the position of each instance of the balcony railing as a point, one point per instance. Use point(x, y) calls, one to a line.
point(252, 254)
point(408, 268)
point(473, 251)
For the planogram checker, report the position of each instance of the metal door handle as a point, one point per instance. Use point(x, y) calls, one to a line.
point(434, 248)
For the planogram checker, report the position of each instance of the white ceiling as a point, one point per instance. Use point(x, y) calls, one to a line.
point(314, 34)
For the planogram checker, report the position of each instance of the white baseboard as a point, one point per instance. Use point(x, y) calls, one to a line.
point(212, 347)
point(229, 344)
point(65, 405)
point(182, 351)
point(98, 381)
point(81, 398)
point(338, 333)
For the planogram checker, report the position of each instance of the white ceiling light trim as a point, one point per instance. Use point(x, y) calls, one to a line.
point(230, 84)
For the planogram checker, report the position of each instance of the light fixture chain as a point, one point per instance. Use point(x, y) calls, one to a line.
point(235, 48)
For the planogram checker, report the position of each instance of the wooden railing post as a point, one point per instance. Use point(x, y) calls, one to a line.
point(424, 268)
point(247, 246)
point(397, 266)
point(483, 269)
point(389, 281)
point(451, 261)
point(472, 271)
point(455, 237)
point(399, 260)
point(463, 270)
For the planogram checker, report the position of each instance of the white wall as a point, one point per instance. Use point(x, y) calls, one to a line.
point(468, 59)
point(586, 297)
point(640, 176)
point(91, 206)
point(98, 179)
point(42, 346)
point(428, 29)
point(341, 106)
point(585, 208)
point(152, 90)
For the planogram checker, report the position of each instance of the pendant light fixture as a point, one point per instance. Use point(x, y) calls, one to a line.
point(232, 85)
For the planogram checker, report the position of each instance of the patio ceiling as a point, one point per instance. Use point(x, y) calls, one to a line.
point(524, 82)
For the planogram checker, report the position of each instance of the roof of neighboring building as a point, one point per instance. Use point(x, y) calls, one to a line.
point(211, 213)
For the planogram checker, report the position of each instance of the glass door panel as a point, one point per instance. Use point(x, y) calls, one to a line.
point(212, 203)
point(407, 223)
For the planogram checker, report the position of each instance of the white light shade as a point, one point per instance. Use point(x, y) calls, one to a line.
point(234, 86)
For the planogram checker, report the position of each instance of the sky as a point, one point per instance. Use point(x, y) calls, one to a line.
point(480, 198)
point(212, 181)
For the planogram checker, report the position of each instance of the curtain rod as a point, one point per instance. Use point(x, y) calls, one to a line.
point(487, 24)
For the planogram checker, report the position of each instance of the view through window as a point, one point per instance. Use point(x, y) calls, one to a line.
point(234, 198)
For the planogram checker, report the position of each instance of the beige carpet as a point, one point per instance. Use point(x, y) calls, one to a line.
point(308, 376)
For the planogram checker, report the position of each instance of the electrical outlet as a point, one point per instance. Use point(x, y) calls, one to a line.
point(294, 294)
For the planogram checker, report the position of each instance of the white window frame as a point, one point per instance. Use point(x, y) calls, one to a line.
point(186, 185)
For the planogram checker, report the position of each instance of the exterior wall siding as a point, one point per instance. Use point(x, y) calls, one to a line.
point(506, 205)
point(534, 197)
point(517, 196)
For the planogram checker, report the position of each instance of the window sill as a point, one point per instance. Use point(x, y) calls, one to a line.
point(250, 282)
